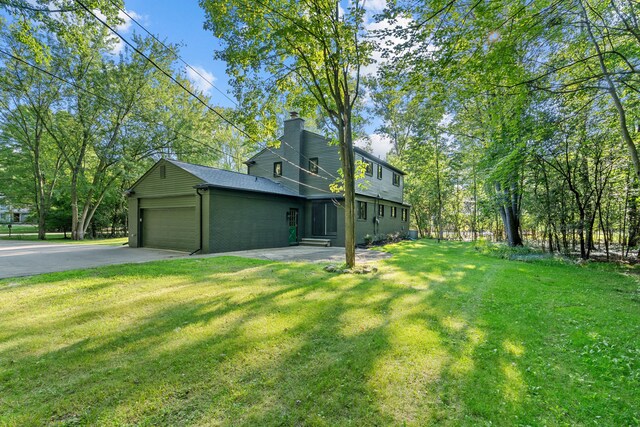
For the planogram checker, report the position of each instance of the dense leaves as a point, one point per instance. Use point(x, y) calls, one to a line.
point(536, 102)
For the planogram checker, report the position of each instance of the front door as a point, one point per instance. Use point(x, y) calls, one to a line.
point(293, 226)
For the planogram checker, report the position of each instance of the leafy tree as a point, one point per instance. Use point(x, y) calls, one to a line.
point(300, 51)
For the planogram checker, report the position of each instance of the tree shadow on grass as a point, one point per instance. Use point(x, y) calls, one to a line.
point(432, 339)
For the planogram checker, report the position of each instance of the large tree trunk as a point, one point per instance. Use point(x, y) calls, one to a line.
point(348, 169)
point(509, 214)
point(617, 102)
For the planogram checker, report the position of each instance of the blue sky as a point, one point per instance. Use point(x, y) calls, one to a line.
point(182, 22)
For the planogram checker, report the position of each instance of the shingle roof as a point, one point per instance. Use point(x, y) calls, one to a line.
point(235, 180)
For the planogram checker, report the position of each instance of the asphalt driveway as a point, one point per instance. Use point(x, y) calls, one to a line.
point(27, 258)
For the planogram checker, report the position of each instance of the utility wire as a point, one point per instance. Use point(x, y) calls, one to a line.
point(98, 96)
point(176, 81)
point(205, 78)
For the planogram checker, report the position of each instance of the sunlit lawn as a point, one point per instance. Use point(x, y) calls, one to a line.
point(441, 334)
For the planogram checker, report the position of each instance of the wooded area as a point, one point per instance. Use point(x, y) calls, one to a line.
point(515, 120)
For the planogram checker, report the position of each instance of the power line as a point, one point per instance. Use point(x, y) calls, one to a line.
point(53, 75)
point(206, 79)
point(259, 167)
point(204, 144)
point(173, 52)
point(176, 81)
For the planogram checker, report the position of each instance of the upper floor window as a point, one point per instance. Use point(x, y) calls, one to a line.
point(368, 167)
point(163, 171)
point(404, 214)
point(379, 171)
point(380, 210)
point(362, 210)
point(313, 165)
point(277, 169)
point(394, 212)
point(396, 179)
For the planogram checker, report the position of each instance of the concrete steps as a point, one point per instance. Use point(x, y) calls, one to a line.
point(315, 242)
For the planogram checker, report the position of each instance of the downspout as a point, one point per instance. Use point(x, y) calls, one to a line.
point(200, 224)
point(376, 219)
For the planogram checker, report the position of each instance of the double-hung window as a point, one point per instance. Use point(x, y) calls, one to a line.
point(368, 167)
point(362, 210)
point(313, 165)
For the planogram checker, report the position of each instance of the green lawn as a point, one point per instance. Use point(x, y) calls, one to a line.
point(18, 228)
point(59, 238)
point(440, 335)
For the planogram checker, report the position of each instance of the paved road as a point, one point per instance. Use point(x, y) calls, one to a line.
point(23, 258)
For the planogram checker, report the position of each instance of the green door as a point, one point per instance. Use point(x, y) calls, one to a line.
point(169, 228)
point(293, 226)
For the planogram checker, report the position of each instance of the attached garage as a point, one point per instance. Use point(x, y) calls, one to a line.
point(169, 223)
point(198, 209)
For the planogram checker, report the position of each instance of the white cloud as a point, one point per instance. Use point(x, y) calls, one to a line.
point(122, 28)
point(199, 79)
point(380, 144)
point(375, 5)
point(126, 21)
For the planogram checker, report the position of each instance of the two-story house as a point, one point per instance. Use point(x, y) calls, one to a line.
point(284, 199)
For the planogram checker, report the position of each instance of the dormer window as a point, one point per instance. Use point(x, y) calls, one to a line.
point(368, 167)
point(277, 169)
point(396, 179)
point(379, 171)
point(313, 165)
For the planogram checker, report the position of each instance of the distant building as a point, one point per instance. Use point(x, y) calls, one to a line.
point(10, 214)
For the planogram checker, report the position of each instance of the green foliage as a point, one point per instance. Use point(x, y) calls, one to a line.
point(500, 250)
point(532, 108)
point(485, 341)
point(83, 137)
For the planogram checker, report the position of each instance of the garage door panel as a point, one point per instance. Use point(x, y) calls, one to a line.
point(169, 228)
point(168, 202)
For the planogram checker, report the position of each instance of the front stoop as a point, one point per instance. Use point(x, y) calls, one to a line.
point(315, 242)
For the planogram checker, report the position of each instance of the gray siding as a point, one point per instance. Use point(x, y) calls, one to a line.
point(317, 146)
point(384, 188)
point(386, 225)
point(289, 149)
point(241, 220)
point(308, 145)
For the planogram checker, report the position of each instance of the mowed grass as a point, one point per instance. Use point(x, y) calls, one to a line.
point(440, 335)
point(18, 228)
point(59, 238)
